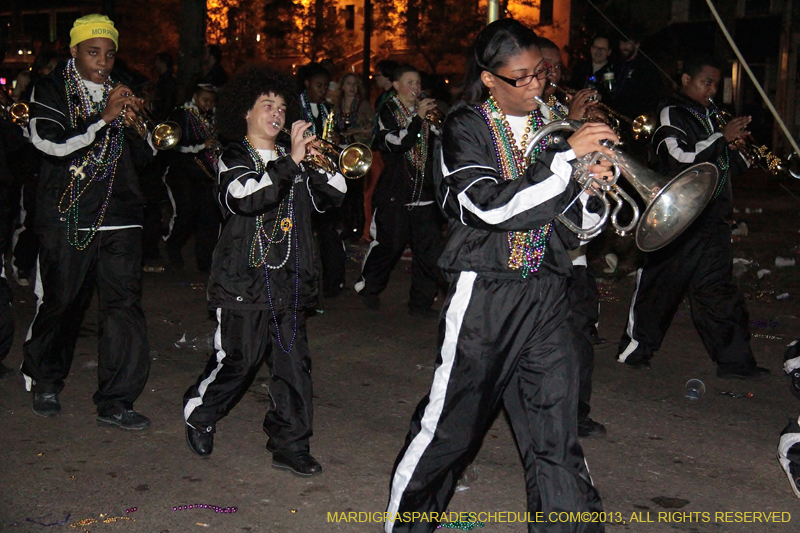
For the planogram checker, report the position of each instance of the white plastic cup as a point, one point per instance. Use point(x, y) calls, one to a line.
point(694, 389)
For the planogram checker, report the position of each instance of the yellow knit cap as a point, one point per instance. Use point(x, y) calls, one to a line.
point(92, 26)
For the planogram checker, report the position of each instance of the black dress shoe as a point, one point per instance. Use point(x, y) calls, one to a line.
point(749, 373)
point(128, 419)
point(46, 404)
point(589, 428)
point(298, 463)
point(200, 441)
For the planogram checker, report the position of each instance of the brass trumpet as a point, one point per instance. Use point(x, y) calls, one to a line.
point(164, 135)
point(435, 116)
point(353, 161)
point(758, 155)
point(641, 127)
point(16, 112)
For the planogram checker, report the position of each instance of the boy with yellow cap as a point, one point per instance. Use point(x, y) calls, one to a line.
point(89, 221)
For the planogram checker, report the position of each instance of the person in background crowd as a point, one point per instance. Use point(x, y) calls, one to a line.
point(314, 80)
point(383, 81)
point(191, 178)
point(264, 273)
point(214, 73)
point(166, 97)
point(354, 116)
point(89, 221)
point(638, 82)
point(596, 72)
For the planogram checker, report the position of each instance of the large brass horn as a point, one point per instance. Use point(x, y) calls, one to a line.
point(353, 161)
point(671, 204)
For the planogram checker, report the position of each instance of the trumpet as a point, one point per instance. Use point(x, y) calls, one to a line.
point(641, 127)
point(671, 204)
point(353, 161)
point(435, 116)
point(164, 135)
point(755, 154)
point(16, 112)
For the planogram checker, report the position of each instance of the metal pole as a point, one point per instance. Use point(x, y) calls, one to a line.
point(366, 67)
point(492, 11)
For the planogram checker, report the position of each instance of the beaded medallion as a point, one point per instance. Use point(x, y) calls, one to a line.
point(281, 232)
point(99, 164)
point(723, 161)
point(418, 154)
point(525, 248)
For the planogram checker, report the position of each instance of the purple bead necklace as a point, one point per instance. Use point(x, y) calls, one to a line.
point(261, 244)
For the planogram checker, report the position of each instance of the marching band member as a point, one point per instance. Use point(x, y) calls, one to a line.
point(583, 295)
point(191, 179)
point(89, 222)
point(403, 202)
point(263, 275)
point(505, 335)
point(700, 261)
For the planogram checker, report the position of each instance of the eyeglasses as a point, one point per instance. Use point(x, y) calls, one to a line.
point(540, 74)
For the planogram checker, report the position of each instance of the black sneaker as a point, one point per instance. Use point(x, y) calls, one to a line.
point(46, 404)
point(751, 373)
point(589, 428)
point(200, 441)
point(129, 419)
point(298, 463)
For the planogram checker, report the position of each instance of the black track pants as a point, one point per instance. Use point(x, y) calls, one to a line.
point(6, 316)
point(700, 263)
point(242, 341)
point(584, 312)
point(196, 211)
point(502, 342)
point(65, 280)
point(394, 227)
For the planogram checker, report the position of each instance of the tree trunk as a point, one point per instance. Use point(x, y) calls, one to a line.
point(192, 44)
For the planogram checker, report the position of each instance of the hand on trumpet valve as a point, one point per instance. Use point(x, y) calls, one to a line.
point(120, 100)
point(587, 139)
point(425, 106)
point(302, 144)
point(580, 103)
point(735, 129)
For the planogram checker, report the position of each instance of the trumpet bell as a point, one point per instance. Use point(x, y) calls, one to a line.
point(673, 207)
point(355, 160)
point(643, 127)
point(19, 113)
point(166, 135)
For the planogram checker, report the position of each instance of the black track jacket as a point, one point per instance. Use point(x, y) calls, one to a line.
point(681, 141)
point(60, 143)
point(482, 206)
point(245, 195)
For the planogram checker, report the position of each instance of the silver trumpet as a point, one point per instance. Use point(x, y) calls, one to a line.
point(671, 205)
